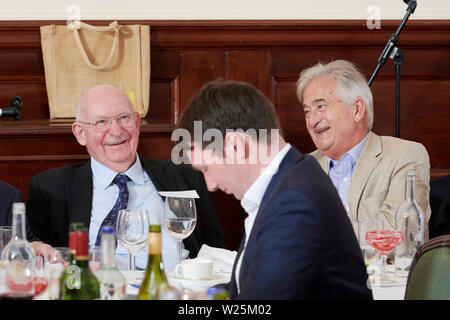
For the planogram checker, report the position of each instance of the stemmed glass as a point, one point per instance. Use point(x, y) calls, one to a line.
point(132, 228)
point(384, 240)
point(180, 218)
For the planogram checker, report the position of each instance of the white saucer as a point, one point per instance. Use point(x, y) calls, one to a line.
point(197, 285)
point(212, 278)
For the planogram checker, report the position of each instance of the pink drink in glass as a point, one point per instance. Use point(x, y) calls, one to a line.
point(384, 240)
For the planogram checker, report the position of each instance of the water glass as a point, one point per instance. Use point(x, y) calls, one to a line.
point(5, 236)
point(95, 258)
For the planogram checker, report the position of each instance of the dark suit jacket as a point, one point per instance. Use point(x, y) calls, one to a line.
point(8, 195)
point(59, 196)
point(302, 245)
point(439, 223)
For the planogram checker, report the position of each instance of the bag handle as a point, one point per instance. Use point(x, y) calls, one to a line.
point(113, 26)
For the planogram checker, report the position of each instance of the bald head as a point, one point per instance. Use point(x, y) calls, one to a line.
point(103, 93)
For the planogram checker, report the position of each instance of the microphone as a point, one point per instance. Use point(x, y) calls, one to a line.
point(412, 4)
point(14, 108)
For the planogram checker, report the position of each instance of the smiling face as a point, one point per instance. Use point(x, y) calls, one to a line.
point(116, 147)
point(334, 127)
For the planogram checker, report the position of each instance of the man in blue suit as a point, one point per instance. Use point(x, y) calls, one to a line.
point(299, 242)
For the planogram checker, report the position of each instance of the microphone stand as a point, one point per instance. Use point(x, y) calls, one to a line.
point(397, 55)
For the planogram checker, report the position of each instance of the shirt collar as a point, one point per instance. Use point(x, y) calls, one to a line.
point(103, 176)
point(253, 196)
point(354, 153)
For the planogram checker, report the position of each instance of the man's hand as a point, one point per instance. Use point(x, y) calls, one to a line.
point(48, 252)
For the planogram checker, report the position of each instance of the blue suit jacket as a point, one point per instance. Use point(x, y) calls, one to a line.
point(302, 245)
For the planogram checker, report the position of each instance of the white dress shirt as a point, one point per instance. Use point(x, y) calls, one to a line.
point(142, 195)
point(252, 199)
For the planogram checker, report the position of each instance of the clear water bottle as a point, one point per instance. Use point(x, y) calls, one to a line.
point(19, 259)
point(409, 220)
point(112, 282)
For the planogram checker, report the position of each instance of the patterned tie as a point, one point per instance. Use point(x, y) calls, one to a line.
point(121, 203)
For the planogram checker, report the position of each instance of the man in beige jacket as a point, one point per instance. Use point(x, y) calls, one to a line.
point(368, 170)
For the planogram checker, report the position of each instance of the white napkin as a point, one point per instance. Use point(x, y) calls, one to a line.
point(223, 258)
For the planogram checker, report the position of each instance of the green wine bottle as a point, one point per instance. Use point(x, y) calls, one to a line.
point(155, 280)
point(80, 283)
point(55, 290)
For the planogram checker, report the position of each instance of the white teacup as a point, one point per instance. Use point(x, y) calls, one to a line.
point(195, 269)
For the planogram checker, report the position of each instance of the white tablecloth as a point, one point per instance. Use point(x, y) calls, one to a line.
point(389, 293)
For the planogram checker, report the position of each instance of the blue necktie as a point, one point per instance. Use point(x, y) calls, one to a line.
point(121, 203)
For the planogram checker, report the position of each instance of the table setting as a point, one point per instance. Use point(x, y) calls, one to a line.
point(193, 276)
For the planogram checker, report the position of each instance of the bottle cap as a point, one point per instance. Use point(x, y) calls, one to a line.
point(74, 226)
point(107, 230)
point(155, 228)
point(18, 208)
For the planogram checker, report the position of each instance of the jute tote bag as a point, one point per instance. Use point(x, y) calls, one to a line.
point(80, 56)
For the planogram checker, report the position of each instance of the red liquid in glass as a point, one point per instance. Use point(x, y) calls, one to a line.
point(40, 284)
point(384, 240)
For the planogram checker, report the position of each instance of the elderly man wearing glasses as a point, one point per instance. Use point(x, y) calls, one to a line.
point(89, 192)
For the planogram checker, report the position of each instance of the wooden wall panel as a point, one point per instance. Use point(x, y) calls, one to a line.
point(252, 66)
point(269, 54)
point(199, 67)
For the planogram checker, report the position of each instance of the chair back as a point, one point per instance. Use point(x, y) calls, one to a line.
point(429, 274)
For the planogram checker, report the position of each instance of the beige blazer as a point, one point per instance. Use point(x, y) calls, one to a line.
point(378, 182)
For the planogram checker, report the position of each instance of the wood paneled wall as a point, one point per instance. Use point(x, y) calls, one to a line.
point(269, 54)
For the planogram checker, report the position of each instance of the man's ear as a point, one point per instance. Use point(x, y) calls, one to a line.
point(359, 110)
point(236, 147)
point(79, 133)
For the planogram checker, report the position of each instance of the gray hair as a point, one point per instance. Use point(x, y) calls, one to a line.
point(351, 83)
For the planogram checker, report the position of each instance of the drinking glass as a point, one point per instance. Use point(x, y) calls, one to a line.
point(95, 259)
point(180, 218)
point(384, 240)
point(40, 278)
point(370, 254)
point(53, 270)
point(132, 228)
point(5, 236)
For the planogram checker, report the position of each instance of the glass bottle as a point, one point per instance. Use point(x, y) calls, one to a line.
point(66, 273)
point(112, 282)
point(81, 283)
point(19, 259)
point(409, 220)
point(155, 280)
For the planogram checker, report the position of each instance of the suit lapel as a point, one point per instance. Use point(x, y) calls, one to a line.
point(158, 174)
point(79, 195)
point(233, 281)
point(369, 159)
point(323, 162)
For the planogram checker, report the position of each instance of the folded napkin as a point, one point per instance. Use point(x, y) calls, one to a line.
point(223, 258)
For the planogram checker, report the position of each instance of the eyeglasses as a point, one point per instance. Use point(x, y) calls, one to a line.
point(124, 120)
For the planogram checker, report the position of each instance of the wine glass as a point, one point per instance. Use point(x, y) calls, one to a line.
point(40, 278)
point(370, 254)
point(384, 240)
point(132, 228)
point(180, 218)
